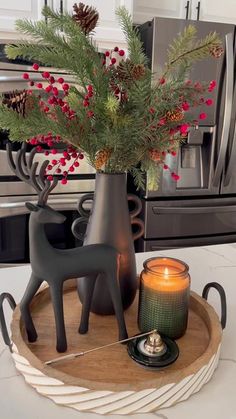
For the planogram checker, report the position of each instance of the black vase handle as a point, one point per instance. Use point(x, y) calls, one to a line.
point(3, 326)
point(85, 213)
point(222, 294)
point(88, 197)
point(134, 220)
point(140, 231)
point(82, 211)
point(138, 205)
point(75, 227)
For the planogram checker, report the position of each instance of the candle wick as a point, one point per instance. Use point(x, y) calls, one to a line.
point(166, 273)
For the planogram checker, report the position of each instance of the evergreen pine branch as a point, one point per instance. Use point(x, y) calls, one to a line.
point(21, 129)
point(182, 43)
point(153, 175)
point(36, 123)
point(197, 52)
point(140, 92)
point(135, 46)
point(139, 177)
point(70, 50)
point(56, 18)
point(127, 123)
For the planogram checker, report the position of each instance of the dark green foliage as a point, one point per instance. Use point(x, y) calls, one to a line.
point(141, 118)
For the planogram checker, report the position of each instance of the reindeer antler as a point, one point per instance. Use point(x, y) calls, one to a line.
point(25, 169)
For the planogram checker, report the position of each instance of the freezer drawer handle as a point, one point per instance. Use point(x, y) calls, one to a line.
point(193, 210)
point(228, 107)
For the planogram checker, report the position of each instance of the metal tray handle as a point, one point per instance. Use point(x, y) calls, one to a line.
point(222, 294)
point(3, 326)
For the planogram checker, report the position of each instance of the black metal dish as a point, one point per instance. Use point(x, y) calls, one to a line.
point(153, 361)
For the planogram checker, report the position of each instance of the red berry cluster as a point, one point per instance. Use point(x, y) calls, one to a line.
point(52, 91)
point(70, 154)
point(87, 100)
point(212, 86)
point(113, 60)
point(174, 175)
point(182, 129)
point(56, 164)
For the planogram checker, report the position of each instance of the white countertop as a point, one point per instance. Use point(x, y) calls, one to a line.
point(216, 400)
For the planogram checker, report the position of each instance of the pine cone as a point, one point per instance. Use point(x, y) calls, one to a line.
point(102, 157)
point(175, 116)
point(127, 71)
point(155, 155)
point(29, 104)
point(124, 71)
point(138, 71)
point(217, 51)
point(19, 101)
point(86, 17)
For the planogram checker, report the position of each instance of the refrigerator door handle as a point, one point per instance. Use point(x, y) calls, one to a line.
point(198, 9)
point(187, 10)
point(228, 107)
point(193, 210)
point(232, 160)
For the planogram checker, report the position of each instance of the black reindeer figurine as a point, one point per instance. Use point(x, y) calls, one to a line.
point(55, 265)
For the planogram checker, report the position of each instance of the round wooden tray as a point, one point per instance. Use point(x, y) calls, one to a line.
point(108, 380)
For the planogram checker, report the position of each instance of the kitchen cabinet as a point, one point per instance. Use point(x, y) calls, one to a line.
point(12, 10)
point(208, 10)
point(144, 10)
point(214, 11)
point(107, 35)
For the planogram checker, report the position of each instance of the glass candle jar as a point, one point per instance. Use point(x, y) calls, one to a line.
point(164, 296)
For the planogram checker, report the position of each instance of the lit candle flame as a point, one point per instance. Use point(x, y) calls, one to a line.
point(166, 273)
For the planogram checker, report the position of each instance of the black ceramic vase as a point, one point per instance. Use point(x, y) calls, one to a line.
point(110, 223)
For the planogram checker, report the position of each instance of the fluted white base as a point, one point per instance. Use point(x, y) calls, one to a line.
point(109, 402)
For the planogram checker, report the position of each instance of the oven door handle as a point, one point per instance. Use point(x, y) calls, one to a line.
point(51, 202)
point(193, 210)
point(19, 78)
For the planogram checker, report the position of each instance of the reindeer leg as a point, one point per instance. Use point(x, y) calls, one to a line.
point(56, 291)
point(114, 289)
point(32, 288)
point(88, 295)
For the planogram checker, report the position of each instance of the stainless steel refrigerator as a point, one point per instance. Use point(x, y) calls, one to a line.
point(201, 207)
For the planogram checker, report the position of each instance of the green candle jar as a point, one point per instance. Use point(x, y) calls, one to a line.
point(164, 297)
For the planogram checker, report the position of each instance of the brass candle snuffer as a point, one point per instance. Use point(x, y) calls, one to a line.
point(148, 345)
point(76, 355)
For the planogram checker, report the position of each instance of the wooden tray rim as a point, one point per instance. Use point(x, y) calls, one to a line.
point(205, 311)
